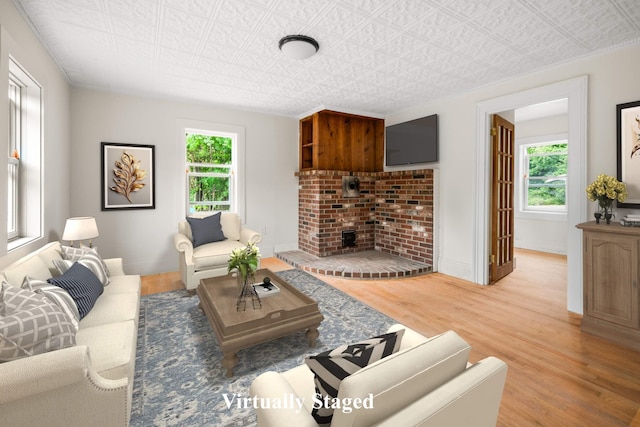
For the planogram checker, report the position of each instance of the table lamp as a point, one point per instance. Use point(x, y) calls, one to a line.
point(80, 228)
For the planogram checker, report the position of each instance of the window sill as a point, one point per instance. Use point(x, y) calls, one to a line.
point(542, 216)
point(19, 242)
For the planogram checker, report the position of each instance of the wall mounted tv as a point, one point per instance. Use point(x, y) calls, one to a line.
point(415, 141)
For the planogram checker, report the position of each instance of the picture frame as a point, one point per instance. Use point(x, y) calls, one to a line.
point(628, 127)
point(128, 176)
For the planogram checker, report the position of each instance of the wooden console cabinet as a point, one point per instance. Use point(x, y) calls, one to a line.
point(331, 140)
point(611, 263)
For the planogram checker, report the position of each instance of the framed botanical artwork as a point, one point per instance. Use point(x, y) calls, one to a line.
point(128, 176)
point(628, 121)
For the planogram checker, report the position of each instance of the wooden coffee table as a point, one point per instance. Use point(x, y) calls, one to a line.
point(282, 314)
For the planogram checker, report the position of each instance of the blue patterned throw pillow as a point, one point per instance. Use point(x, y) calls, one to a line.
point(333, 366)
point(83, 286)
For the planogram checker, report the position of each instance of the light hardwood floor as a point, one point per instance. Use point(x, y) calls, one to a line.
point(558, 376)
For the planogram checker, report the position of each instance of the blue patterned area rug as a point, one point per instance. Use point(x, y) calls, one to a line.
point(179, 379)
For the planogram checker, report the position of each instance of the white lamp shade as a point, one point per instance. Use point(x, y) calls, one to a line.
point(298, 47)
point(80, 228)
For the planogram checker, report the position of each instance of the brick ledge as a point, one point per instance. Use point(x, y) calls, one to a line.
point(368, 264)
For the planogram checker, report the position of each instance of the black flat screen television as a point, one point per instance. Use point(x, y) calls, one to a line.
point(415, 141)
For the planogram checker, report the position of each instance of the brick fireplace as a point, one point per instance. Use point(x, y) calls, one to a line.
point(393, 213)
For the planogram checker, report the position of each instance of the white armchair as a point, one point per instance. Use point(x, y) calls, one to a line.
point(428, 382)
point(210, 259)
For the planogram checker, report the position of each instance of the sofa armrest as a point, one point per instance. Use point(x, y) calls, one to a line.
point(183, 244)
point(60, 384)
point(114, 265)
point(249, 236)
point(273, 387)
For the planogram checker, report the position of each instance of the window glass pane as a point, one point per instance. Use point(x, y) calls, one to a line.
point(548, 165)
point(544, 195)
point(546, 179)
point(12, 226)
point(15, 114)
point(208, 189)
point(209, 172)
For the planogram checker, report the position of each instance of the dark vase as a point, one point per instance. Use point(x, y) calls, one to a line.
point(598, 215)
point(608, 217)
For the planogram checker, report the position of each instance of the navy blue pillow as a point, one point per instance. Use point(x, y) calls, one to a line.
point(83, 286)
point(206, 230)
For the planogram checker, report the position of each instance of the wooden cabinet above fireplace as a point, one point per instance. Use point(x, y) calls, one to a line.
point(330, 140)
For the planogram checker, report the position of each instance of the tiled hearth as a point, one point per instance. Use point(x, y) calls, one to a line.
point(369, 264)
point(392, 215)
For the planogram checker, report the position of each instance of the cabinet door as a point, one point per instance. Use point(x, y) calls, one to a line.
point(611, 277)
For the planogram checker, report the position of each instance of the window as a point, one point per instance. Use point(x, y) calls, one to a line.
point(544, 183)
point(15, 128)
point(24, 165)
point(210, 171)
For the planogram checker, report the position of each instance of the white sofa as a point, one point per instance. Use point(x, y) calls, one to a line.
point(428, 382)
point(210, 259)
point(89, 384)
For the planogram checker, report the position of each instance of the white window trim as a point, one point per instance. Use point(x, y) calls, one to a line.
point(185, 126)
point(521, 212)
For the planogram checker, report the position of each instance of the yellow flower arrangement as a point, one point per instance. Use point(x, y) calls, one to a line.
point(605, 189)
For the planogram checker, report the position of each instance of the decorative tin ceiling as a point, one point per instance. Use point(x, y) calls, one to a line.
point(376, 56)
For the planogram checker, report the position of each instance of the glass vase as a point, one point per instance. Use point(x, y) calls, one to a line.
point(247, 292)
point(606, 212)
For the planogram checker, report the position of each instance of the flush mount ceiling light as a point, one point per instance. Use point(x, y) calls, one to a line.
point(298, 47)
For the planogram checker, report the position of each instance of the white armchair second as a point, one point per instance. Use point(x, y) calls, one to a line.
point(206, 260)
point(428, 382)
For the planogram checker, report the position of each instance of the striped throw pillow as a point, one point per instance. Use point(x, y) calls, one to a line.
point(31, 324)
point(89, 259)
point(333, 366)
point(83, 286)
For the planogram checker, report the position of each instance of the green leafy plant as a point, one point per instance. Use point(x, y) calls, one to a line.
point(128, 176)
point(245, 260)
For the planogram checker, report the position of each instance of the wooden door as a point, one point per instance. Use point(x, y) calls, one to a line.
point(502, 203)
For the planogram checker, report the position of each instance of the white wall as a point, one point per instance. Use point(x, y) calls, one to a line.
point(144, 237)
point(17, 40)
point(611, 80)
point(539, 232)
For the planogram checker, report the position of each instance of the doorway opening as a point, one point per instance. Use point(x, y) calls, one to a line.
point(575, 90)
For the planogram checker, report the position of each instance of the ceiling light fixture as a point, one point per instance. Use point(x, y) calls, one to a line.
point(298, 47)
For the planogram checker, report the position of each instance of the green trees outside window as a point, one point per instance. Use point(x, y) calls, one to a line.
point(209, 171)
point(546, 176)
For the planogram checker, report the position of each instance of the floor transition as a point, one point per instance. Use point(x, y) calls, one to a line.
point(358, 265)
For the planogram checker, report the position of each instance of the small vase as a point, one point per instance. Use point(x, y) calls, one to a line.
point(608, 217)
point(606, 212)
point(598, 215)
point(247, 291)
